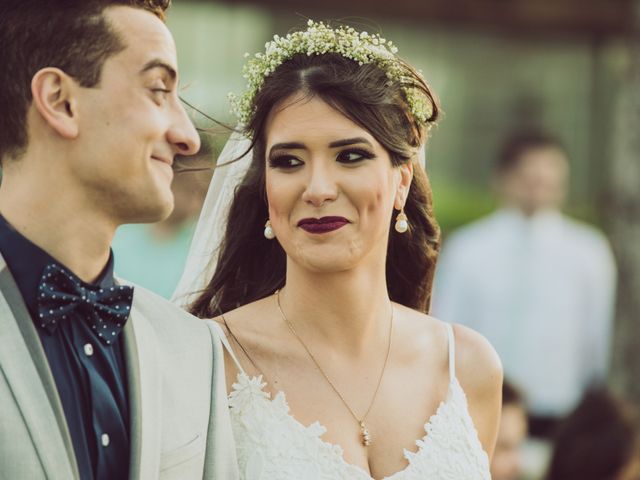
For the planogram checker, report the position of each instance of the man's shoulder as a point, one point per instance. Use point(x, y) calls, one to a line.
point(161, 312)
point(585, 237)
point(584, 229)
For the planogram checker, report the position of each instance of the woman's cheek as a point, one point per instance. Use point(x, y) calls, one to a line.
point(376, 206)
point(275, 199)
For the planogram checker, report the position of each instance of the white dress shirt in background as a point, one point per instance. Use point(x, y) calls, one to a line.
point(541, 290)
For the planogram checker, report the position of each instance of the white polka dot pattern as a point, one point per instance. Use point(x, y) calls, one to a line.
point(61, 295)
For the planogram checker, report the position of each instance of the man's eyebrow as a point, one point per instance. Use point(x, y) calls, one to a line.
point(349, 141)
point(157, 63)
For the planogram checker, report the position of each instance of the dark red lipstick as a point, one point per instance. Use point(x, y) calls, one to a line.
point(322, 225)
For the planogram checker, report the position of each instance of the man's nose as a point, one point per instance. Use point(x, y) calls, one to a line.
point(183, 135)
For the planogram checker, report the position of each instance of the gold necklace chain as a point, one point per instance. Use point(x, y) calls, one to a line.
point(366, 436)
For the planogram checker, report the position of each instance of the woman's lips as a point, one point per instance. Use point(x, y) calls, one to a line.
point(322, 225)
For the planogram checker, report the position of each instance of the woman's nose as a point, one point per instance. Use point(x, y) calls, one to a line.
point(321, 186)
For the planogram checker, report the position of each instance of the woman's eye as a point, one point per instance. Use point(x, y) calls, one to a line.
point(353, 156)
point(284, 162)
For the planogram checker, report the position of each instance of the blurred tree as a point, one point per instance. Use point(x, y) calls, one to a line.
point(623, 212)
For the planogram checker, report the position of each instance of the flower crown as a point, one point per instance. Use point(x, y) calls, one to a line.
point(318, 39)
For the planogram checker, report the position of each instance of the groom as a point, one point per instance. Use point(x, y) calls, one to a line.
point(98, 379)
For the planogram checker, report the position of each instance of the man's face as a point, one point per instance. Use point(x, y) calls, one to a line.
point(507, 461)
point(132, 124)
point(537, 182)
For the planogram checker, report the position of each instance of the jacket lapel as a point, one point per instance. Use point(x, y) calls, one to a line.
point(144, 393)
point(26, 369)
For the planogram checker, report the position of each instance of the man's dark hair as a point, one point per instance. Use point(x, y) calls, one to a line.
point(521, 142)
point(72, 35)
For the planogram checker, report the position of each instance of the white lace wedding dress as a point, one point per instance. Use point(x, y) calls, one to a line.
point(272, 445)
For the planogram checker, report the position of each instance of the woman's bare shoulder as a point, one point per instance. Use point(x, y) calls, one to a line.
point(477, 363)
point(416, 321)
point(479, 372)
point(478, 366)
point(249, 336)
point(257, 326)
point(422, 337)
point(247, 316)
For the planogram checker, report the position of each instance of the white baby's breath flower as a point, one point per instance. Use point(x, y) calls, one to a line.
point(318, 39)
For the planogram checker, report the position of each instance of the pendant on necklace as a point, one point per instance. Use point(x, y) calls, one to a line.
point(366, 438)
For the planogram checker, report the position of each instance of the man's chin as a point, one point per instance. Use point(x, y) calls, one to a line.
point(149, 212)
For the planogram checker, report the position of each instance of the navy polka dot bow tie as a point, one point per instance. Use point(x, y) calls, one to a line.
point(62, 295)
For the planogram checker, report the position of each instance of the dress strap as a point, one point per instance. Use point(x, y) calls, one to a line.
point(227, 346)
point(452, 352)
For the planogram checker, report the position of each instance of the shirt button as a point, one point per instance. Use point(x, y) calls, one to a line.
point(88, 349)
point(105, 440)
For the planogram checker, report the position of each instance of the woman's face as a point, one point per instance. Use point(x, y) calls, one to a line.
point(331, 187)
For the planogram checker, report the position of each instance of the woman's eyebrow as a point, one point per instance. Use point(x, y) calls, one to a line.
point(288, 146)
point(349, 141)
point(338, 143)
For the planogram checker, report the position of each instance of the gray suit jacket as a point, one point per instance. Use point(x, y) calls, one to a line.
point(180, 426)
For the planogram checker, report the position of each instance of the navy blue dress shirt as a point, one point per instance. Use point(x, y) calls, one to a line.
point(89, 375)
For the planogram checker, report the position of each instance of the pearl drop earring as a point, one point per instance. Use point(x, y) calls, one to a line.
point(402, 223)
point(268, 231)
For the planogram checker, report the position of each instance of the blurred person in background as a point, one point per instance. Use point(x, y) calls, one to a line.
point(598, 441)
point(537, 283)
point(507, 458)
point(153, 255)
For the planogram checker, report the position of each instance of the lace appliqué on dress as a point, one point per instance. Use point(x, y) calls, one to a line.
point(272, 445)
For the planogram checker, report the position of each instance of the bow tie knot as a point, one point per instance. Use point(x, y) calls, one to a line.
point(61, 294)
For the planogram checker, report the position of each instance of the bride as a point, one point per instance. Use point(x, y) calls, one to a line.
point(323, 276)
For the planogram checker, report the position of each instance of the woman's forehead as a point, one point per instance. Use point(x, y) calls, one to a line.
point(304, 119)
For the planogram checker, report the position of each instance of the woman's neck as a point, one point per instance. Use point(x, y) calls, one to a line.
point(349, 310)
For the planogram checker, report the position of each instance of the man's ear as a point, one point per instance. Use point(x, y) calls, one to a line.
point(54, 97)
point(406, 176)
